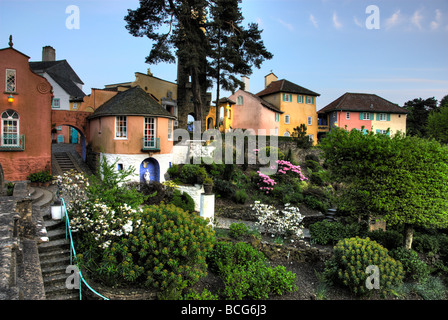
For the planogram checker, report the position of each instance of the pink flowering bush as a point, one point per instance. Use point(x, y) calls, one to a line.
point(285, 170)
point(265, 182)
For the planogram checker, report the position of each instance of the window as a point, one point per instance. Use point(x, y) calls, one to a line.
point(75, 106)
point(381, 131)
point(309, 100)
point(347, 116)
point(229, 113)
point(170, 130)
point(56, 103)
point(239, 100)
point(310, 137)
point(10, 80)
point(277, 117)
point(383, 117)
point(287, 97)
point(10, 128)
point(300, 98)
point(365, 116)
point(310, 121)
point(150, 131)
point(59, 128)
point(286, 134)
point(121, 131)
point(286, 119)
point(120, 167)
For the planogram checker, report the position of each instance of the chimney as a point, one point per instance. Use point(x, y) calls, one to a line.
point(269, 78)
point(245, 80)
point(48, 54)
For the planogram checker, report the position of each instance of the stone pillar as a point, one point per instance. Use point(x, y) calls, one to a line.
point(208, 207)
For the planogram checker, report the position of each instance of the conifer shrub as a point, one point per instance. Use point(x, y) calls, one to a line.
point(352, 256)
point(167, 252)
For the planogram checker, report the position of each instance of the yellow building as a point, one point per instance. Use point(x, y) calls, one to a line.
point(298, 105)
point(225, 115)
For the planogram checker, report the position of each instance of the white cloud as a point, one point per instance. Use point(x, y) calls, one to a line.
point(289, 26)
point(417, 19)
point(359, 24)
point(314, 21)
point(437, 21)
point(337, 24)
point(393, 20)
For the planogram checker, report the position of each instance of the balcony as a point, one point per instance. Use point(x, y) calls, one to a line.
point(12, 142)
point(323, 128)
point(151, 144)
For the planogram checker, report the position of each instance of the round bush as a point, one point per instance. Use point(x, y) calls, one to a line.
point(352, 256)
point(192, 174)
point(414, 267)
point(166, 252)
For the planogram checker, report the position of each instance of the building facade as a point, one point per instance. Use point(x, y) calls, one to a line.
point(297, 104)
point(25, 111)
point(362, 111)
point(133, 130)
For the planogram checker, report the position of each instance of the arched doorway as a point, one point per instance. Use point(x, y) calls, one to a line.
point(190, 122)
point(69, 135)
point(149, 170)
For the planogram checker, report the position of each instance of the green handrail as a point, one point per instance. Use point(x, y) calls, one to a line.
point(68, 232)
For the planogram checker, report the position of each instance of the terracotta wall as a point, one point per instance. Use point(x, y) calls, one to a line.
point(33, 103)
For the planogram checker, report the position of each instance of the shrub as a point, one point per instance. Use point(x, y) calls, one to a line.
point(351, 257)
point(174, 172)
point(224, 188)
point(182, 200)
point(246, 274)
point(192, 174)
point(432, 289)
point(390, 239)
point(414, 268)
point(241, 196)
point(327, 232)
point(166, 252)
point(238, 230)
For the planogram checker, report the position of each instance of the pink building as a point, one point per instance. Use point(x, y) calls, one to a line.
point(252, 112)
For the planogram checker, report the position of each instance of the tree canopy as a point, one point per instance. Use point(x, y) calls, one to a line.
point(403, 179)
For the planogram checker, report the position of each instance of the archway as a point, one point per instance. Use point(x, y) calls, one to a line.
point(149, 170)
point(69, 135)
point(190, 122)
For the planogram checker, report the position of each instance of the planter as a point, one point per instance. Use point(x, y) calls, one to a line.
point(208, 188)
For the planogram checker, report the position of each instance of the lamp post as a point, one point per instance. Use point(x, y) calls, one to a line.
point(56, 209)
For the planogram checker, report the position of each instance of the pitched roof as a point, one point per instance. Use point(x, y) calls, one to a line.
point(362, 102)
point(263, 102)
point(287, 87)
point(61, 72)
point(132, 102)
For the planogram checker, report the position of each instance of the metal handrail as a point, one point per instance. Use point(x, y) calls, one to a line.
point(68, 233)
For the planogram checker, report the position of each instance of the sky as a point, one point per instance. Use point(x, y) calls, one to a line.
point(397, 49)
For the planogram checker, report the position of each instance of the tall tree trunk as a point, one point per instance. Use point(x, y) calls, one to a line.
point(408, 236)
point(197, 97)
point(218, 82)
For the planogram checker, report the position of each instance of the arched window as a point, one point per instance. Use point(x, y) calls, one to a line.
point(10, 128)
point(240, 100)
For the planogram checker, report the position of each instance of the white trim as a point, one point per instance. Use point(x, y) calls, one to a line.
point(126, 127)
point(289, 119)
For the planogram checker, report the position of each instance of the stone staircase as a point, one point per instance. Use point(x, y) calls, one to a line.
point(64, 161)
point(53, 249)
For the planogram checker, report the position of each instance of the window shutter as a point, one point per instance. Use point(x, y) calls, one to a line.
point(378, 117)
point(372, 116)
point(361, 116)
point(283, 96)
point(388, 117)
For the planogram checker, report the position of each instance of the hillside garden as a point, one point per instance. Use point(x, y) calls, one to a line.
point(132, 235)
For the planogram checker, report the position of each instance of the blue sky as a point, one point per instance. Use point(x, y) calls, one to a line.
point(323, 45)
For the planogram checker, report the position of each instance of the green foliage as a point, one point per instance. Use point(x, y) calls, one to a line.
point(432, 289)
point(351, 257)
point(182, 200)
point(241, 196)
point(327, 232)
point(300, 136)
point(246, 274)
point(174, 172)
point(194, 295)
point(166, 252)
point(437, 125)
point(40, 176)
point(403, 179)
point(390, 239)
point(413, 266)
point(192, 174)
point(224, 188)
point(238, 230)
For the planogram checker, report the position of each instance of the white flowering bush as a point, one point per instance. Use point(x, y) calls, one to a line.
point(286, 222)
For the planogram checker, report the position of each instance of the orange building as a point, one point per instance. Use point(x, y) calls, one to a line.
point(25, 111)
point(132, 130)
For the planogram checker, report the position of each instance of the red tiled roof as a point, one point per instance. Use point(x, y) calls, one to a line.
point(285, 86)
point(362, 102)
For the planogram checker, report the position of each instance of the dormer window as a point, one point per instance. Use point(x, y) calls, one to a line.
point(11, 80)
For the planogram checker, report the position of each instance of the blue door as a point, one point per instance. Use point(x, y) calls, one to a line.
point(149, 170)
point(74, 135)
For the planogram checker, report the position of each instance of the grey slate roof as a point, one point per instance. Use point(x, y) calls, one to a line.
point(61, 72)
point(287, 87)
point(363, 102)
point(132, 102)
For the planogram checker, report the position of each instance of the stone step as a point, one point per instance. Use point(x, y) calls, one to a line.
point(54, 245)
point(44, 256)
point(60, 292)
point(56, 234)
